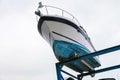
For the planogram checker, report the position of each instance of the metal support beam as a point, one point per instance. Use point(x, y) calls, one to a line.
point(58, 71)
point(69, 74)
point(100, 70)
point(97, 53)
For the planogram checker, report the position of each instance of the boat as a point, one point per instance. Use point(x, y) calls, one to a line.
point(66, 37)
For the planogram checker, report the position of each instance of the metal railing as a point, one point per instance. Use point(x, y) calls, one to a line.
point(61, 10)
point(45, 10)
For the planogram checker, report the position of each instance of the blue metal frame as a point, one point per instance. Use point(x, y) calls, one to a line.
point(59, 65)
point(58, 70)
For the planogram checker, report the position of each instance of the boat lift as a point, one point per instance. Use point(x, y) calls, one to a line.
point(60, 65)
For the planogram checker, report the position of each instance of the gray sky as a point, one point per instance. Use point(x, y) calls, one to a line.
point(24, 55)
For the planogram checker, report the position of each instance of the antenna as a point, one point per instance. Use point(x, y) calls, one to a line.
point(40, 5)
point(38, 11)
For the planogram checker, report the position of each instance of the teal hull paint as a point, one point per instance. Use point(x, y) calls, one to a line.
point(65, 50)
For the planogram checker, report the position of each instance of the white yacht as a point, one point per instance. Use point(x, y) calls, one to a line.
point(66, 36)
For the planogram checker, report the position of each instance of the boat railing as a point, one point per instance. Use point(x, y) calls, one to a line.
point(51, 10)
point(62, 12)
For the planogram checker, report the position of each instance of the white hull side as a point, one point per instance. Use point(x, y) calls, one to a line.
point(67, 31)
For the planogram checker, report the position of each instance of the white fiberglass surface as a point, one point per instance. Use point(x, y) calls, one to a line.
point(68, 31)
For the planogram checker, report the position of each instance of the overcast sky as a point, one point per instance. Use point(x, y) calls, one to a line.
point(24, 55)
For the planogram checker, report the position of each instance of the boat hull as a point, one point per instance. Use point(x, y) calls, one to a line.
point(68, 41)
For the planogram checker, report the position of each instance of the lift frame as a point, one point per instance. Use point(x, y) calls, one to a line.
point(60, 65)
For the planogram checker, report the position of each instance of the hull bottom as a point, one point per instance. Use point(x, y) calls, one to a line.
point(65, 50)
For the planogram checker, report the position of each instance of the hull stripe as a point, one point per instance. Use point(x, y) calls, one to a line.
point(67, 38)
